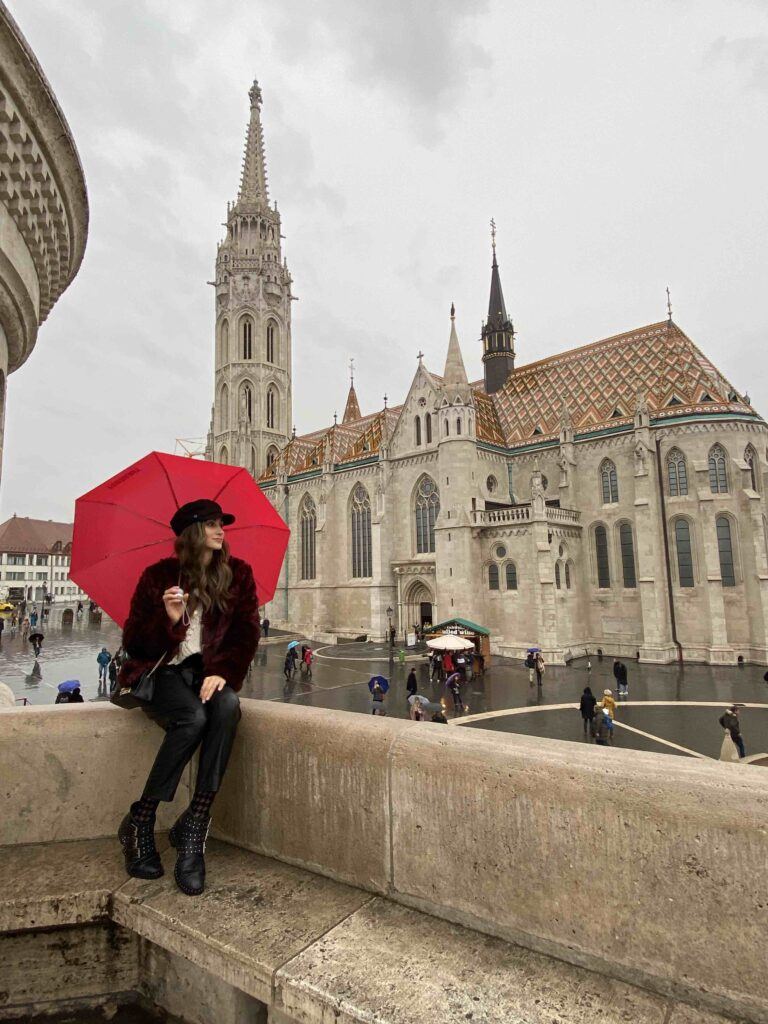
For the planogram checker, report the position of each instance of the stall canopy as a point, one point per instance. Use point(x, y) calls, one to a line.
point(461, 627)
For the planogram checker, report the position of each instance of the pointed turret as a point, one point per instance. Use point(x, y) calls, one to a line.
point(352, 408)
point(253, 181)
point(454, 372)
point(498, 332)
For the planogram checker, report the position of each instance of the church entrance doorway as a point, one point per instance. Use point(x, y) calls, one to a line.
point(419, 603)
point(425, 610)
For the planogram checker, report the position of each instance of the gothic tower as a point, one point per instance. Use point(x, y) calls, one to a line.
point(498, 333)
point(252, 389)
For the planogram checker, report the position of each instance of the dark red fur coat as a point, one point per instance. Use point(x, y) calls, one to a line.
point(229, 640)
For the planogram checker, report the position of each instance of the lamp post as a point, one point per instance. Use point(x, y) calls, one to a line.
point(389, 621)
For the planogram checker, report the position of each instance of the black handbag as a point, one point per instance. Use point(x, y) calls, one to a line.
point(138, 695)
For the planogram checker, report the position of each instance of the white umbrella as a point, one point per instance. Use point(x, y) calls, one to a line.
point(450, 642)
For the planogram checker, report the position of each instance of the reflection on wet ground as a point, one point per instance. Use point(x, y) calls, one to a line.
point(340, 676)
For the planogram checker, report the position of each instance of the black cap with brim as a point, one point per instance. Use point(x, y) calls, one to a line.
point(199, 511)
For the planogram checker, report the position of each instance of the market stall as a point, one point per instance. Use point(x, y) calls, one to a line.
point(479, 636)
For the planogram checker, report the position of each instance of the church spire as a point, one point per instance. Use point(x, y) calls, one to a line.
point(253, 180)
point(352, 408)
point(498, 331)
point(454, 372)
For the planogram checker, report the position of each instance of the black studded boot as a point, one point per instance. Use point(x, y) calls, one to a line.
point(188, 836)
point(138, 841)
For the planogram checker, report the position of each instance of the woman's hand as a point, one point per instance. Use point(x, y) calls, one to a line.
point(211, 685)
point(174, 599)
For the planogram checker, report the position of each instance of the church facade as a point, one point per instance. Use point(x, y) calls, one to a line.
point(609, 497)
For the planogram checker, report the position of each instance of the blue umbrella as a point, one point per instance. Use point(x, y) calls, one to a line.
point(533, 650)
point(452, 677)
point(292, 644)
point(69, 685)
point(381, 681)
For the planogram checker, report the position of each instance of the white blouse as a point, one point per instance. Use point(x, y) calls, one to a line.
point(192, 642)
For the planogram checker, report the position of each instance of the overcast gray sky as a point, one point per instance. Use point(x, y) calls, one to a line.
point(620, 146)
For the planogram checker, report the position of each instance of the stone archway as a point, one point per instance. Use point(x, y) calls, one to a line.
point(419, 605)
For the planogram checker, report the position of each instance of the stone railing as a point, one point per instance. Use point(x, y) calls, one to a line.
point(523, 514)
point(645, 867)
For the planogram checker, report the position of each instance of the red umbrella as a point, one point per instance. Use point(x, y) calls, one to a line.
point(122, 526)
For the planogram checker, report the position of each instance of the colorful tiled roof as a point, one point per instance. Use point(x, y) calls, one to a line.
point(21, 535)
point(599, 384)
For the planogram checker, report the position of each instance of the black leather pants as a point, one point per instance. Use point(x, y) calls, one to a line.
point(190, 724)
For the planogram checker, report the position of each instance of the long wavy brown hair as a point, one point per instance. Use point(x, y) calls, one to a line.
point(207, 584)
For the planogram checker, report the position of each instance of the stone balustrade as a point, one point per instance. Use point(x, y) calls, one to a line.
point(523, 514)
point(644, 867)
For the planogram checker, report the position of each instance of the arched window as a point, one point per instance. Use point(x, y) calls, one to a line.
point(558, 583)
point(271, 334)
point(308, 521)
point(252, 460)
point(246, 330)
point(511, 573)
point(458, 425)
point(272, 454)
point(446, 430)
point(224, 348)
point(568, 575)
point(609, 482)
point(246, 402)
point(750, 457)
point(493, 576)
point(417, 429)
point(627, 545)
point(677, 473)
point(427, 506)
point(224, 408)
point(362, 560)
point(601, 557)
point(428, 425)
point(684, 552)
point(725, 551)
point(271, 407)
point(224, 455)
point(718, 477)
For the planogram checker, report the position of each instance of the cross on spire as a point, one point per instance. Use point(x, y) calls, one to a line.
point(493, 235)
point(419, 355)
point(385, 401)
point(352, 371)
point(669, 305)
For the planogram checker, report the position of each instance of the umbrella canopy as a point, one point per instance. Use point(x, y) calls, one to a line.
point(533, 650)
point(292, 644)
point(450, 642)
point(452, 678)
point(379, 681)
point(69, 685)
point(418, 697)
point(122, 526)
point(35, 636)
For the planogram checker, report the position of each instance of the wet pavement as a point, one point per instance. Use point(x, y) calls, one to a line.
point(669, 709)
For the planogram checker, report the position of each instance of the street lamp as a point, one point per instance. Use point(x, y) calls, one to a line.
point(389, 620)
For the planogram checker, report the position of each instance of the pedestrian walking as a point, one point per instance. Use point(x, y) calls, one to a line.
point(33, 617)
point(308, 658)
point(587, 707)
point(539, 667)
point(36, 639)
point(289, 666)
point(411, 684)
point(193, 626)
point(436, 667)
point(14, 623)
point(454, 688)
point(265, 627)
point(602, 727)
point(729, 720)
point(530, 664)
point(103, 658)
point(448, 666)
point(609, 703)
point(112, 669)
point(620, 675)
point(79, 609)
point(377, 700)
point(25, 628)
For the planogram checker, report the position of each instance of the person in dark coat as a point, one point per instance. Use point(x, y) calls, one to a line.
point(265, 627)
point(76, 696)
point(193, 623)
point(587, 707)
point(620, 675)
point(730, 721)
point(410, 684)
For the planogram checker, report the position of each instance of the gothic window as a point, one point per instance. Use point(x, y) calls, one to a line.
point(750, 457)
point(558, 583)
point(627, 545)
point(271, 331)
point(568, 575)
point(427, 508)
point(271, 407)
point(271, 455)
point(458, 425)
point(609, 482)
point(725, 551)
point(417, 429)
point(684, 552)
point(308, 520)
point(601, 556)
point(428, 425)
point(224, 349)
point(677, 473)
point(224, 408)
point(718, 478)
point(224, 455)
point(246, 402)
point(246, 328)
point(493, 576)
point(446, 431)
point(362, 560)
point(511, 574)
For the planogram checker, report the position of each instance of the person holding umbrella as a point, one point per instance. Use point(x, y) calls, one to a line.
point(378, 685)
point(36, 639)
point(193, 626)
